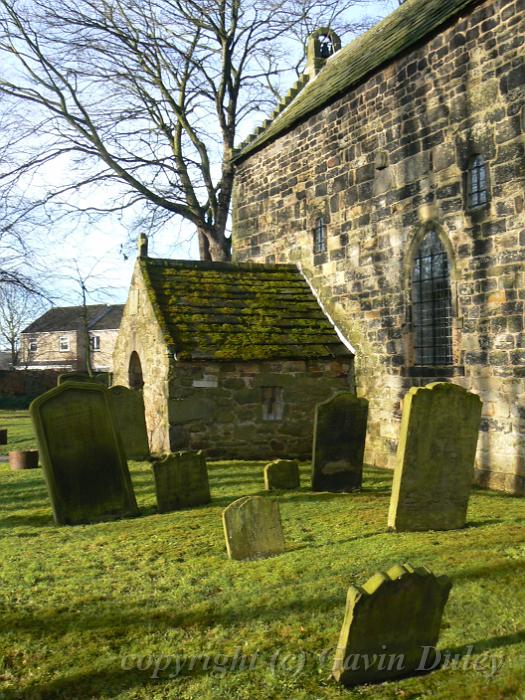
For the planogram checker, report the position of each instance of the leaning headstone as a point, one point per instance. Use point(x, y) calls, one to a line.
point(128, 409)
point(339, 443)
point(435, 458)
point(100, 378)
point(391, 626)
point(80, 449)
point(282, 474)
point(181, 481)
point(252, 527)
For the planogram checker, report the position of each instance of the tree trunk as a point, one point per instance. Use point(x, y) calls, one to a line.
point(214, 246)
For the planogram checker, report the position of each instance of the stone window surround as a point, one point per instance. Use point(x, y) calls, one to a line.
point(94, 343)
point(469, 175)
point(410, 368)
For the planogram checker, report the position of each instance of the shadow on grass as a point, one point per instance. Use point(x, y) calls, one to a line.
point(482, 645)
point(504, 568)
point(81, 685)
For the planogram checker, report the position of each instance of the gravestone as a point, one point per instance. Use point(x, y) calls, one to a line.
point(391, 626)
point(435, 458)
point(99, 378)
point(80, 449)
point(339, 443)
point(181, 481)
point(282, 474)
point(3, 436)
point(128, 409)
point(252, 527)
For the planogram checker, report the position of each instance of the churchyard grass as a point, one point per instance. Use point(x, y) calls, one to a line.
point(151, 608)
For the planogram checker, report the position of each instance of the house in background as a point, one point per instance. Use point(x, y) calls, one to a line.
point(58, 339)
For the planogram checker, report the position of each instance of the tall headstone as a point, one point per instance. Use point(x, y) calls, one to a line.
point(391, 626)
point(181, 481)
point(84, 463)
point(282, 474)
point(128, 409)
point(339, 443)
point(252, 527)
point(435, 458)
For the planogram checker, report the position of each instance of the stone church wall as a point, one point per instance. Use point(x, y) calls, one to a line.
point(251, 410)
point(383, 165)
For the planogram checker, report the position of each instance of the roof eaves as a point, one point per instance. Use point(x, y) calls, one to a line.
point(409, 24)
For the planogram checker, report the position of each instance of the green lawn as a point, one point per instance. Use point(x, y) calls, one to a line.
point(151, 607)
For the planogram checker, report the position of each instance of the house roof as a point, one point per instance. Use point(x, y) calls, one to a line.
point(238, 311)
point(406, 26)
point(69, 318)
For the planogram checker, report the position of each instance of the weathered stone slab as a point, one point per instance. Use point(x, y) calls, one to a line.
point(181, 481)
point(282, 474)
point(339, 443)
point(84, 462)
point(252, 527)
point(435, 458)
point(391, 626)
point(100, 378)
point(128, 409)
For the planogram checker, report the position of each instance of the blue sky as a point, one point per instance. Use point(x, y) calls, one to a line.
point(97, 249)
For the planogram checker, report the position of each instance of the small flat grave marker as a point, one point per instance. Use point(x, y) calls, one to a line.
point(282, 474)
point(181, 481)
point(252, 527)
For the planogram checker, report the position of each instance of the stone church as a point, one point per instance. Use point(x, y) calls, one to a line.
point(231, 357)
point(393, 174)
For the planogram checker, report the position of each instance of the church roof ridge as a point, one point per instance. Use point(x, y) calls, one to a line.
point(410, 23)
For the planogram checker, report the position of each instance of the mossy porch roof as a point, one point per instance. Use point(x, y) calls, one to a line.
point(406, 26)
point(238, 311)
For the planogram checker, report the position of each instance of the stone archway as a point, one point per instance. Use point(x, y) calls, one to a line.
point(135, 378)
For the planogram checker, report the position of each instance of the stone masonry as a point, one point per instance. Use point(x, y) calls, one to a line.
point(384, 163)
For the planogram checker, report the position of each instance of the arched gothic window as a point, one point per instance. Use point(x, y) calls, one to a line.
point(477, 183)
point(320, 235)
point(431, 303)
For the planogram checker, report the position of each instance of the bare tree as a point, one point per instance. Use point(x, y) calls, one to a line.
point(145, 96)
point(18, 306)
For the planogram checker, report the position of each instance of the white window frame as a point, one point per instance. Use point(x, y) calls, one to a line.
point(64, 340)
point(32, 345)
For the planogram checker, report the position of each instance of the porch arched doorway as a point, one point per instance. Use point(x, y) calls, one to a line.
point(135, 378)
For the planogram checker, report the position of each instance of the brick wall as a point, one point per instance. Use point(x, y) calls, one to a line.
point(423, 116)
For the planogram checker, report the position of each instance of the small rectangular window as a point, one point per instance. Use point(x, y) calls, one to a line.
point(320, 235)
point(94, 342)
point(272, 402)
point(63, 343)
point(33, 345)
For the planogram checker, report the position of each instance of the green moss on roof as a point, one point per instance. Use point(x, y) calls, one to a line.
point(409, 24)
point(238, 311)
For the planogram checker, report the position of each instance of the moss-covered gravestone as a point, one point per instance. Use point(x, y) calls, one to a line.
point(282, 474)
point(435, 458)
point(391, 626)
point(181, 481)
point(339, 443)
point(84, 463)
point(100, 378)
point(252, 527)
point(128, 408)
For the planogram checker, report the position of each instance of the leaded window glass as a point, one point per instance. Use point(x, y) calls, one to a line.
point(432, 304)
point(320, 235)
point(478, 193)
